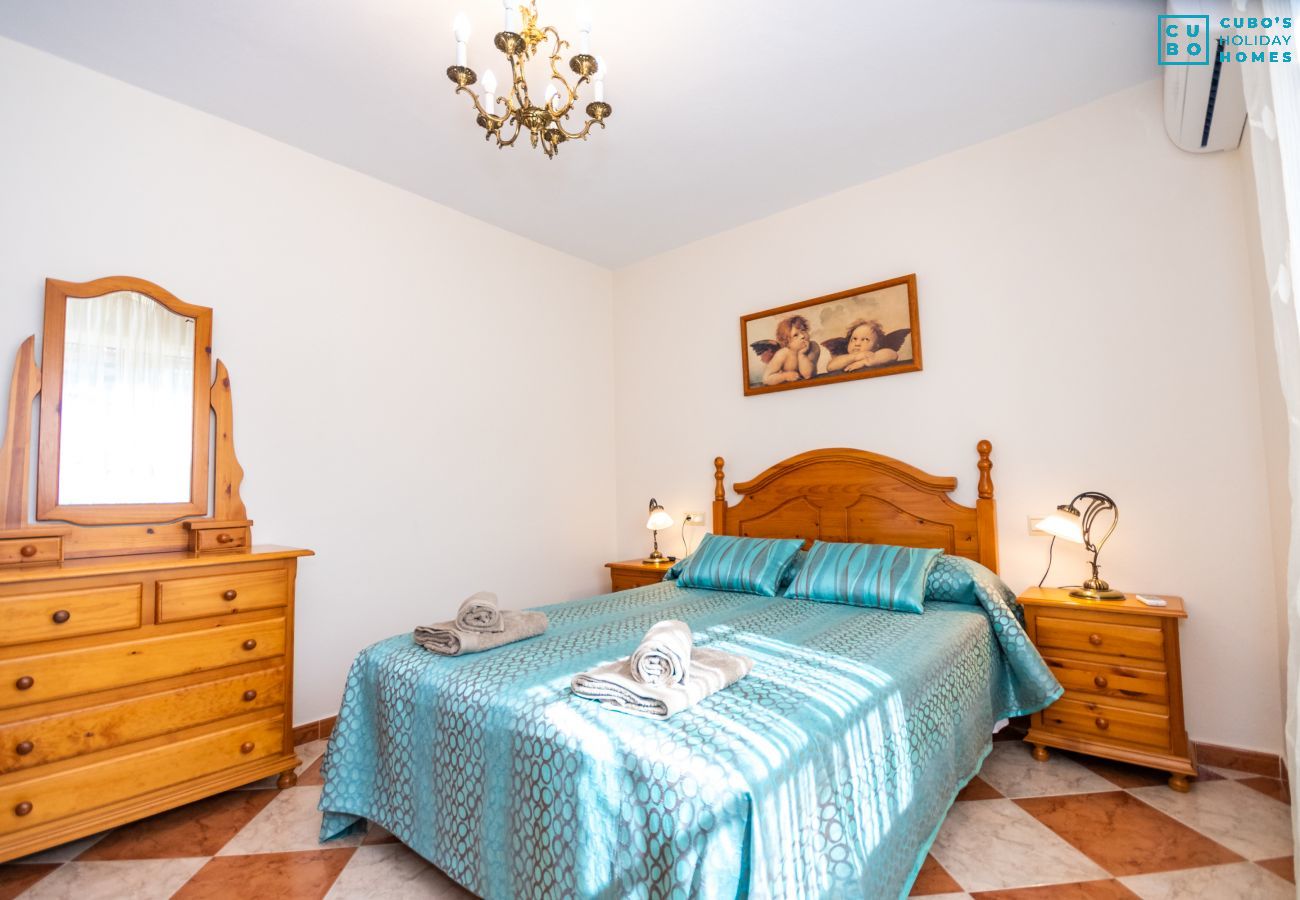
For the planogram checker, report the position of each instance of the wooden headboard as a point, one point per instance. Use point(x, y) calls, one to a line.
point(853, 495)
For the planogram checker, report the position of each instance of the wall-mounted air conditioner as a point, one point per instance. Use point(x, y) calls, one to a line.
point(1205, 109)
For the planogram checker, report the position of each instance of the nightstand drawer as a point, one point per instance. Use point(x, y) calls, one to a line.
point(621, 581)
point(1076, 714)
point(1127, 682)
point(1089, 636)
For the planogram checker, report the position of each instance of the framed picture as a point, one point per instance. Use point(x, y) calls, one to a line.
point(865, 332)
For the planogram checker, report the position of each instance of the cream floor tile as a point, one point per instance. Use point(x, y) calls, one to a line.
point(289, 822)
point(138, 879)
point(392, 872)
point(1243, 820)
point(1015, 773)
point(64, 852)
point(992, 844)
point(1238, 880)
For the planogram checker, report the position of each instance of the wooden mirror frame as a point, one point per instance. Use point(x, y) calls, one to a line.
point(47, 485)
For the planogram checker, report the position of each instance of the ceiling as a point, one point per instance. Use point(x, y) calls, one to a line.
point(724, 111)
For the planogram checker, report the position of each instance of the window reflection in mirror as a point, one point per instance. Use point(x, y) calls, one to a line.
point(128, 402)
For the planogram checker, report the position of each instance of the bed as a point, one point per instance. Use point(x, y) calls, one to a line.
point(824, 773)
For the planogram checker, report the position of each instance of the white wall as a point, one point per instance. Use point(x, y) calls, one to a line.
point(394, 407)
point(1084, 298)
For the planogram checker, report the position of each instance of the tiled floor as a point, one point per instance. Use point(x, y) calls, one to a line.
point(1068, 829)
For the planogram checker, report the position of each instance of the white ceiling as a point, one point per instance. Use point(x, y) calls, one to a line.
point(724, 111)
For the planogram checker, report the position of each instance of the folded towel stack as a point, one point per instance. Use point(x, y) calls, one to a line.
point(647, 684)
point(480, 626)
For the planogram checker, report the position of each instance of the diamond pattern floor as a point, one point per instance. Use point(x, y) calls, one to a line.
point(1072, 828)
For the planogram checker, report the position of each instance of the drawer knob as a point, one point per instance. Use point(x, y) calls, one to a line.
point(246, 747)
point(250, 695)
point(224, 538)
point(25, 747)
point(1100, 681)
point(1103, 723)
point(28, 551)
point(61, 616)
point(25, 682)
point(23, 808)
point(1094, 639)
point(250, 644)
point(230, 595)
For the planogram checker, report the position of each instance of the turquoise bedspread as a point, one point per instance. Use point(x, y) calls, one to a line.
point(824, 773)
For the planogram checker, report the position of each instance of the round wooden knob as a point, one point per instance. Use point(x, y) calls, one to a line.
point(246, 747)
point(28, 551)
point(1100, 681)
point(25, 682)
point(230, 595)
point(23, 808)
point(25, 747)
point(250, 696)
point(1094, 639)
point(61, 616)
point(224, 538)
point(1103, 723)
point(250, 644)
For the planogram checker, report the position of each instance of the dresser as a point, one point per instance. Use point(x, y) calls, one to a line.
point(1119, 664)
point(634, 573)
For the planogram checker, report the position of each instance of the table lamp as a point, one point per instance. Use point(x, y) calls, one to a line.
point(1072, 525)
point(659, 518)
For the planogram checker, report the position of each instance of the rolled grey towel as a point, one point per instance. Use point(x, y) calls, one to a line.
point(664, 655)
point(479, 613)
point(447, 639)
point(612, 684)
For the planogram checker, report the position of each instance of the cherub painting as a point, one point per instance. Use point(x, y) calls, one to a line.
point(861, 333)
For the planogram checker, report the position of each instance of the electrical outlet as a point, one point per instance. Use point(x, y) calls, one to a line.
point(1033, 529)
point(693, 518)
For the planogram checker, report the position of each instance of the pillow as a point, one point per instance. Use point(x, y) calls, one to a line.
point(874, 575)
point(745, 565)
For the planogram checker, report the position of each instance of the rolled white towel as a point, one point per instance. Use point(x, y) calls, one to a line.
point(479, 613)
point(664, 655)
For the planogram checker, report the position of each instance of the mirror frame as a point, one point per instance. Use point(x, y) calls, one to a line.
point(47, 482)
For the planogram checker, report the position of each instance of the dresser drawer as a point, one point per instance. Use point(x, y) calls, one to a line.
point(1076, 714)
point(219, 595)
point(45, 798)
point(1089, 636)
point(1109, 681)
point(20, 551)
point(34, 742)
point(33, 679)
point(60, 614)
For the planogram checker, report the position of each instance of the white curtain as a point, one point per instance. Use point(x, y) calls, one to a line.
point(128, 397)
point(1273, 107)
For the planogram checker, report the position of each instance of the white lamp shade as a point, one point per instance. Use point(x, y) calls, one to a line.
point(659, 519)
point(1062, 524)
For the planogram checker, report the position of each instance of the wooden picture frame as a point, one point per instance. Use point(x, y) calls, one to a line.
point(864, 332)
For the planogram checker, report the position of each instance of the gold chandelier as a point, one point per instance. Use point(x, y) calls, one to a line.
point(519, 41)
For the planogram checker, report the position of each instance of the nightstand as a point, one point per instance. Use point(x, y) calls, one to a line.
point(636, 573)
point(1118, 662)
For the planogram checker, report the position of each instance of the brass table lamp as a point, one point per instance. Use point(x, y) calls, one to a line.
point(1072, 525)
point(659, 518)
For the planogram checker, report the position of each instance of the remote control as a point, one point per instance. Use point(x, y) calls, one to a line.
point(1151, 601)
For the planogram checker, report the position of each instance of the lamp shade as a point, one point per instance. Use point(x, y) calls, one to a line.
point(1065, 524)
point(659, 518)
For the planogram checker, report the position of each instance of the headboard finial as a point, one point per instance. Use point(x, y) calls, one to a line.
point(986, 468)
point(718, 492)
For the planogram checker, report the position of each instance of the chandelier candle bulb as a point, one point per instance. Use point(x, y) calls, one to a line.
point(489, 90)
point(460, 28)
point(584, 31)
point(598, 81)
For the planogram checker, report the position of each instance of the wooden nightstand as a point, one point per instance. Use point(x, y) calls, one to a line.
point(635, 573)
point(1118, 662)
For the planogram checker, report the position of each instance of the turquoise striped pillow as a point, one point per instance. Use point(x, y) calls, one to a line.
point(747, 565)
point(875, 575)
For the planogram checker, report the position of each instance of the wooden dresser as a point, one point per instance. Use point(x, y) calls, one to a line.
point(1119, 664)
point(634, 573)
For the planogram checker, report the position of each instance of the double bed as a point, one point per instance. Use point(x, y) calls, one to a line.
point(825, 772)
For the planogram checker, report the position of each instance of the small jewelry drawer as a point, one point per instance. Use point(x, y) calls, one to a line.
point(52, 615)
point(22, 551)
point(1092, 637)
point(1079, 715)
point(221, 595)
point(225, 539)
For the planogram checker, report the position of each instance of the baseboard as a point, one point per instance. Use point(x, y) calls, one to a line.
point(313, 731)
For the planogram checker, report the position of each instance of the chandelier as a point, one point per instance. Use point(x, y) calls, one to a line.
point(519, 41)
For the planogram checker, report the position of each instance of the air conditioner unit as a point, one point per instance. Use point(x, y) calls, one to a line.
point(1205, 108)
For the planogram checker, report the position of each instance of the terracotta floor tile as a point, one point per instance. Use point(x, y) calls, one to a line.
point(1121, 774)
point(978, 789)
point(1124, 835)
point(303, 875)
point(1269, 787)
point(1079, 890)
point(311, 774)
point(933, 879)
point(198, 829)
point(1282, 868)
point(16, 878)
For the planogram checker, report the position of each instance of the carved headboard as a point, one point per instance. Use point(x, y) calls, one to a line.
point(853, 495)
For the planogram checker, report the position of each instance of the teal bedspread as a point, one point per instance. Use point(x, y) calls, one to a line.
point(824, 773)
